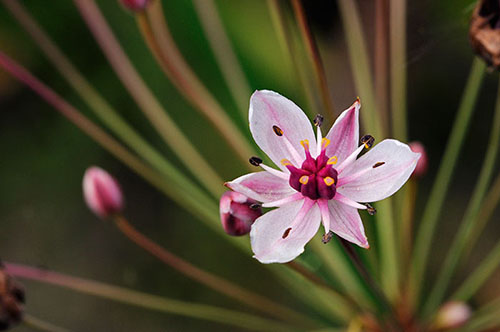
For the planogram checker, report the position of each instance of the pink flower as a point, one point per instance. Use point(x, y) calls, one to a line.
point(238, 212)
point(452, 315)
point(423, 162)
point(320, 179)
point(101, 192)
point(135, 5)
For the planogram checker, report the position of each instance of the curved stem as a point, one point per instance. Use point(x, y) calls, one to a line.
point(314, 56)
point(94, 100)
point(435, 202)
point(210, 280)
point(144, 98)
point(147, 301)
point(176, 68)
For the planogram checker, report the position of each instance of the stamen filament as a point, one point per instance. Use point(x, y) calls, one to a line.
point(342, 199)
point(293, 152)
point(319, 139)
point(349, 160)
point(275, 172)
point(325, 214)
point(283, 201)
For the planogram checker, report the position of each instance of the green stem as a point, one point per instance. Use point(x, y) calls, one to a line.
point(461, 238)
point(443, 178)
point(40, 325)
point(147, 301)
point(175, 67)
point(381, 62)
point(143, 96)
point(210, 280)
point(224, 54)
point(360, 64)
point(398, 69)
point(95, 101)
point(314, 56)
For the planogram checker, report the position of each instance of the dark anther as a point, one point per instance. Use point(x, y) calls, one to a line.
point(327, 237)
point(380, 163)
point(256, 161)
point(368, 141)
point(285, 234)
point(371, 210)
point(255, 206)
point(318, 120)
point(278, 131)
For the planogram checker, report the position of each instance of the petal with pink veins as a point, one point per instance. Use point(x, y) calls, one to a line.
point(280, 235)
point(346, 223)
point(344, 134)
point(261, 186)
point(268, 111)
point(379, 173)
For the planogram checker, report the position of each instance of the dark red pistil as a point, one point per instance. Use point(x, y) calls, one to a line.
point(316, 178)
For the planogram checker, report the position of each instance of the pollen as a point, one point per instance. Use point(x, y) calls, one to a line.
point(332, 160)
point(305, 144)
point(329, 181)
point(277, 130)
point(324, 143)
point(286, 162)
point(304, 179)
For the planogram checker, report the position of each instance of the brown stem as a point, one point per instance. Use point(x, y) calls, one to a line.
point(208, 279)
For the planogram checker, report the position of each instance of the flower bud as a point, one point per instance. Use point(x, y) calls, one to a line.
point(452, 315)
point(238, 212)
point(11, 300)
point(484, 31)
point(423, 162)
point(101, 192)
point(135, 5)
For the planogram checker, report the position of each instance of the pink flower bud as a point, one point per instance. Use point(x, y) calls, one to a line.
point(423, 162)
point(452, 315)
point(238, 212)
point(135, 5)
point(102, 193)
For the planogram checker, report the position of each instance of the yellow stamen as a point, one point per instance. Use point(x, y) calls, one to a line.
point(329, 181)
point(304, 179)
point(332, 160)
point(324, 143)
point(305, 144)
point(286, 162)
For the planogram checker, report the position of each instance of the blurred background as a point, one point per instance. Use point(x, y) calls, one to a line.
point(44, 221)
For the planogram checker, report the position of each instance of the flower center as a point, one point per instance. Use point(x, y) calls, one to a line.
point(316, 178)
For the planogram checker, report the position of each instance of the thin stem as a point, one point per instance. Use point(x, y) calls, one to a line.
point(147, 301)
point(368, 279)
point(94, 100)
point(178, 70)
point(398, 69)
point(381, 57)
point(308, 274)
point(461, 238)
point(314, 56)
point(210, 280)
point(41, 325)
point(143, 96)
point(224, 54)
point(193, 200)
point(285, 40)
point(443, 178)
point(360, 64)
point(408, 215)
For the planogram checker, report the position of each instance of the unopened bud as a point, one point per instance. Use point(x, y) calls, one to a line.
point(135, 5)
point(11, 300)
point(101, 192)
point(484, 31)
point(238, 212)
point(423, 162)
point(452, 315)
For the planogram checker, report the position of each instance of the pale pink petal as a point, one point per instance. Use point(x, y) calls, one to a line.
point(280, 235)
point(261, 186)
point(268, 109)
point(379, 173)
point(346, 223)
point(344, 135)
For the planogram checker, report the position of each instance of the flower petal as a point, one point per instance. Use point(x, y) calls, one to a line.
point(379, 173)
point(261, 186)
point(346, 223)
point(268, 109)
point(344, 135)
point(280, 235)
